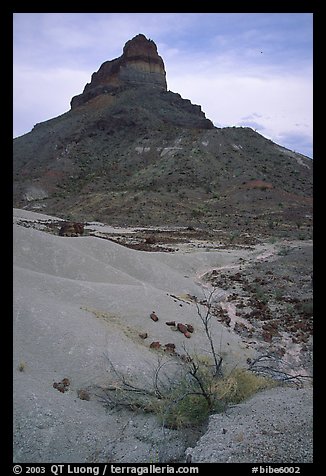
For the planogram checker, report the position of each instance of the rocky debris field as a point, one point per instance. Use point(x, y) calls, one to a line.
point(270, 301)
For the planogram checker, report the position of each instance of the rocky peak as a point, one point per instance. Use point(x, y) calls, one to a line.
point(139, 65)
point(141, 47)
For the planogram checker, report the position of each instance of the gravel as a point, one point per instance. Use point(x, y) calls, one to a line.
point(274, 426)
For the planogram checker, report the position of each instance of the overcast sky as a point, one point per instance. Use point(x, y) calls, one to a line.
point(244, 69)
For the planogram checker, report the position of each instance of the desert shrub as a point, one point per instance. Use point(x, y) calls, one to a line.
point(241, 384)
point(191, 405)
point(260, 294)
point(189, 399)
point(278, 294)
point(305, 307)
point(196, 212)
point(183, 407)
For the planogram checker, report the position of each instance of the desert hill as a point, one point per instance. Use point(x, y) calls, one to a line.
point(129, 151)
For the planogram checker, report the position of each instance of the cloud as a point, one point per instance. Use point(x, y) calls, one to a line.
point(254, 115)
point(252, 124)
point(296, 141)
point(45, 94)
point(244, 94)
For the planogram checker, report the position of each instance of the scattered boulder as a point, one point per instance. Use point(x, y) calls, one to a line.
point(154, 317)
point(155, 345)
point(62, 386)
point(71, 229)
point(169, 348)
point(190, 328)
point(83, 394)
point(150, 240)
point(143, 335)
point(182, 328)
point(59, 386)
point(170, 323)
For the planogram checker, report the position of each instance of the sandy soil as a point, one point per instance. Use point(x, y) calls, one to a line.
point(79, 302)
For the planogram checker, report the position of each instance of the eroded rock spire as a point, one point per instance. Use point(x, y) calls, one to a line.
point(139, 65)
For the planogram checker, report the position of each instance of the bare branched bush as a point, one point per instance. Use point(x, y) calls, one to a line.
point(273, 367)
point(205, 317)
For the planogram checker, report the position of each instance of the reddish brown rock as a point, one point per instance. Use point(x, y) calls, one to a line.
point(155, 345)
point(65, 382)
point(143, 335)
point(59, 386)
point(71, 229)
point(154, 317)
point(150, 240)
point(190, 328)
point(259, 184)
point(267, 336)
point(182, 328)
point(62, 386)
point(169, 347)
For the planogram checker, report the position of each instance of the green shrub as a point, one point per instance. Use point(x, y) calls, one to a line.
point(189, 411)
point(243, 384)
point(192, 401)
point(260, 294)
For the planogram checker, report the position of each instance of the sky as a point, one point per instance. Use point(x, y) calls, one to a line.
point(244, 69)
